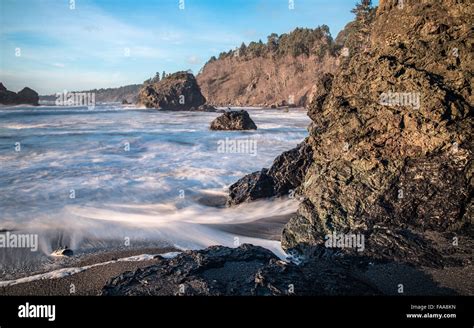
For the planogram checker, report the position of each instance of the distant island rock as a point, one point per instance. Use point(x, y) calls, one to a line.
point(178, 91)
point(26, 96)
point(234, 120)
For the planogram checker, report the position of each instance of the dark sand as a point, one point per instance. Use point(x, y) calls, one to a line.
point(89, 282)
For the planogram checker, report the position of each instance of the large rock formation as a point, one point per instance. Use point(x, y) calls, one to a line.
point(26, 96)
point(392, 138)
point(178, 91)
point(285, 175)
point(233, 120)
point(280, 72)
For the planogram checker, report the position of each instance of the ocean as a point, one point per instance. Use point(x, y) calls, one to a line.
point(100, 178)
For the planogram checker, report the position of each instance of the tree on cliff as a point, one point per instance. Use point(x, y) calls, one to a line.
point(272, 42)
point(242, 50)
point(365, 14)
point(154, 79)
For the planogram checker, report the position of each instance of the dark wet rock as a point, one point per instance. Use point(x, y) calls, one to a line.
point(125, 102)
point(285, 175)
point(289, 169)
point(64, 251)
point(26, 96)
point(233, 120)
point(246, 270)
point(252, 187)
point(395, 172)
point(179, 91)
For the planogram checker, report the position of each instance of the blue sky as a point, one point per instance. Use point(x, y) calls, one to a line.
point(50, 47)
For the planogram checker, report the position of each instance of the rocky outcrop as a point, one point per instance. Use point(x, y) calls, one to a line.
point(392, 139)
point(26, 96)
point(178, 91)
point(233, 120)
point(251, 187)
point(285, 175)
point(243, 271)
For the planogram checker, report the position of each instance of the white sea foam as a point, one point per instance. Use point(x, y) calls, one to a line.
point(150, 192)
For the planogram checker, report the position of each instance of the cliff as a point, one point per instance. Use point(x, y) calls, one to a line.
point(280, 72)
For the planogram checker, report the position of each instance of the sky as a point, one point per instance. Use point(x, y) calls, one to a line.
point(56, 45)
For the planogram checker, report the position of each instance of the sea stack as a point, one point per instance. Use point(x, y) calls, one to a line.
point(178, 92)
point(26, 96)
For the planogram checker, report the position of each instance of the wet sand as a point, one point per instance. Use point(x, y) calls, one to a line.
point(88, 282)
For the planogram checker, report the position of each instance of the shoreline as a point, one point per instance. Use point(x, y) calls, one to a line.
point(90, 272)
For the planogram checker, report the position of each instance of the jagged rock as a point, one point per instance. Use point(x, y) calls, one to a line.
point(125, 102)
point(289, 169)
point(179, 91)
point(251, 187)
point(392, 138)
point(323, 87)
point(287, 173)
point(233, 120)
point(243, 271)
point(26, 96)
